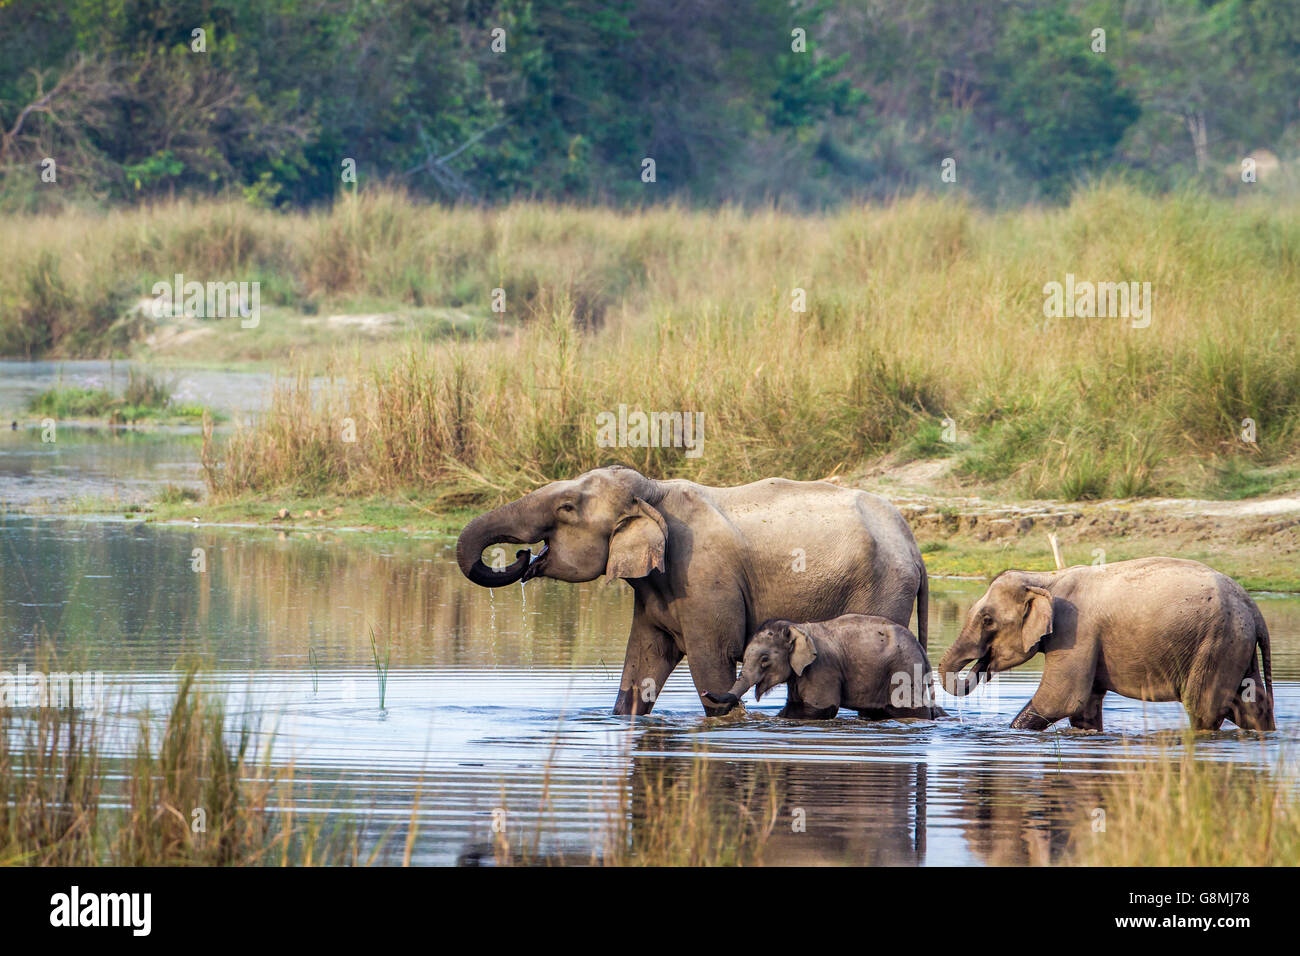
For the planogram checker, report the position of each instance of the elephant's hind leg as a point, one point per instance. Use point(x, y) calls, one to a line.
point(1251, 708)
point(1090, 717)
point(1207, 697)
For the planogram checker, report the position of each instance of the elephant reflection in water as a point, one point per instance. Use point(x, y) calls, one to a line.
point(814, 811)
point(1014, 818)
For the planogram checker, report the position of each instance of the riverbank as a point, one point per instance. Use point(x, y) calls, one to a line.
point(1257, 542)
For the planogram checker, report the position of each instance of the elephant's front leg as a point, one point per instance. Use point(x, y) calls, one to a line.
point(712, 660)
point(1030, 719)
point(651, 656)
point(1090, 717)
point(1066, 690)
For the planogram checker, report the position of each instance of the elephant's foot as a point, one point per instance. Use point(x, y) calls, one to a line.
point(801, 711)
point(905, 713)
point(1030, 719)
point(1090, 717)
point(630, 703)
point(734, 711)
point(720, 705)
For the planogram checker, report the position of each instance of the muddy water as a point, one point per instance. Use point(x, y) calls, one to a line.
point(499, 701)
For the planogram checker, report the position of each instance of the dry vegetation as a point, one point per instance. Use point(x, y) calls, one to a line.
point(916, 311)
point(1178, 810)
point(64, 802)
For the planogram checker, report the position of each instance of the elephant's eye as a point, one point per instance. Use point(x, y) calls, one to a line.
point(764, 661)
point(988, 620)
point(567, 508)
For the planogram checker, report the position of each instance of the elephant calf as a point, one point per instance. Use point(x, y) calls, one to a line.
point(1151, 629)
point(866, 663)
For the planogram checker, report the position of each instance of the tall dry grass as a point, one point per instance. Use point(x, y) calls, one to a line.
point(918, 310)
point(190, 796)
point(1178, 810)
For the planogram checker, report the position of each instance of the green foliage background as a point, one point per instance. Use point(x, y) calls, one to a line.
point(413, 92)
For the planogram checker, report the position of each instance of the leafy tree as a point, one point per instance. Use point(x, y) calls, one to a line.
point(286, 90)
point(1057, 107)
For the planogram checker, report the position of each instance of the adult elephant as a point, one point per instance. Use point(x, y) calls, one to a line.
point(708, 565)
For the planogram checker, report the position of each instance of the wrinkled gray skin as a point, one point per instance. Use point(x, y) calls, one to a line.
point(866, 663)
point(1151, 629)
point(707, 565)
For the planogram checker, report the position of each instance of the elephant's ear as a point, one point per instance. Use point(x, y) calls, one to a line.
point(1038, 618)
point(637, 545)
point(802, 651)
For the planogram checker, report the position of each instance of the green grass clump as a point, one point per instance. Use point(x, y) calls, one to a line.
point(145, 398)
point(73, 402)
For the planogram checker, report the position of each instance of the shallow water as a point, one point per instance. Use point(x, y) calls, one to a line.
point(117, 466)
point(109, 467)
point(223, 390)
point(494, 701)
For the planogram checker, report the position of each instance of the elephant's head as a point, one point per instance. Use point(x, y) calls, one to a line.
point(596, 524)
point(1003, 630)
point(778, 651)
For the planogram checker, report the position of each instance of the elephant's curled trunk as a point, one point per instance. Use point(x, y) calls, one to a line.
point(509, 523)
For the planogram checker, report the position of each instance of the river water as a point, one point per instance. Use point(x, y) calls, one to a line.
point(89, 462)
point(497, 705)
point(495, 731)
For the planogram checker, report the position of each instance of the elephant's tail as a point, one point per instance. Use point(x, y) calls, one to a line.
point(923, 610)
point(1265, 651)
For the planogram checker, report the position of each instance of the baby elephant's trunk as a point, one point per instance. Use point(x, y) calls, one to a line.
point(732, 697)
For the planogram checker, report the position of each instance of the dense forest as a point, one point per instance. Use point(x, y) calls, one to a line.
point(802, 104)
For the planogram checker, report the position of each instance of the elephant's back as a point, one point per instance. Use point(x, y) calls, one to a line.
point(816, 507)
point(813, 550)
point(1165, 580)
point(886, 523)
point(1174, 597)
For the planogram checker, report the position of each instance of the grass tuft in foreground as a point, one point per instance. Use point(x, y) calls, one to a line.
point(679, 821)
point(1181, 810)
point(675, 813)
point(189, 797)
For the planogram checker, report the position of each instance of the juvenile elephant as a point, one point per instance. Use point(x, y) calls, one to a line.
point(866, 663)
point(706, 565)
point(1151, 629)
